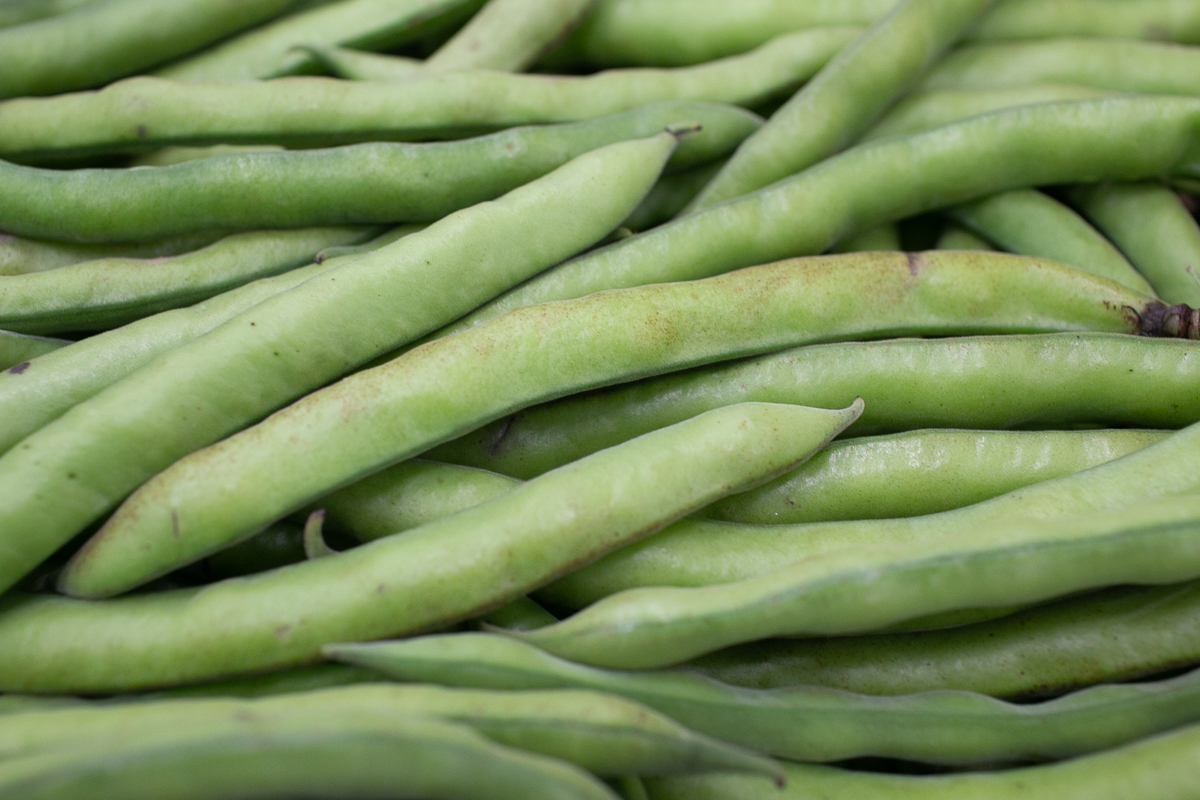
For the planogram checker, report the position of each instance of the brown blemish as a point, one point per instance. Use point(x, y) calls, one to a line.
point(140, 130)
point(381, 588)
point(19, 368)
point(282, 632)
point(914, 263)
point(1161, 320)
point(493, 446)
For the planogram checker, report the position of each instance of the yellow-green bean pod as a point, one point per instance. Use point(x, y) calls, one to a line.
point(507, 35)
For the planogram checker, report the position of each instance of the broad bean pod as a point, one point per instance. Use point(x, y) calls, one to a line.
point(110, 292)
point(1031, 223)
point(1165, 767)
point(436, 392)
point(26, 256)
point(1122, 138)
point(811, 723)
point(1045, 381)
point(837, 106)
point(507, 35)
point(380, 183)
point(956, 238)
point(1113, 635)
point(99, 42)
point(1150, 224)
point(101, 449)
point(18, 349)
point(452, 569)
point(266, 51)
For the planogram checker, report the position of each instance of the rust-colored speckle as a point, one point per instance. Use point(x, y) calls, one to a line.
point(18, 369)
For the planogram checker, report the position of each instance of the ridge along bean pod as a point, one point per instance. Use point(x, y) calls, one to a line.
point(451, 569)
point(858, 589)
point(1165, 767)
point(381, 183)
point(266, 51)
point(692, 554)
point(1113, 65)
point(359, 755)
point(989, 382)
point(28, 256)
point(1150, 223)
point(310, 448)
point(1122, 138)
point(838, 105)
point(99, 42)
point(507, 35)
point(1113, 635)
point(881, 237)
point(18, 349)
point(290, 343)
point(111, 292)
point(956, 238)
point(599, 732)
point(809, 723)
point(1031, 223)
point(52, 384)
point(923, 472)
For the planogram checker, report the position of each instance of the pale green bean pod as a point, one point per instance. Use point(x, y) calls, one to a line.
point(18, 349)
point(507, 35)
point(26, 256)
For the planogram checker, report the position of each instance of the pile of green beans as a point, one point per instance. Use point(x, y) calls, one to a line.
point(600, 399)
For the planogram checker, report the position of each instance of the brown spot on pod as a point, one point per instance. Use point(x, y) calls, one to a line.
point(1174, 322)
point(19, 368)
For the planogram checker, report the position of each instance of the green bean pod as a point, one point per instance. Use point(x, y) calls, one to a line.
point(105, 447)
point(452, 569)
point(812, 723)
point(1102, 637)
point(18, 349)
point(307, 678)
point(881, 237)
point(521, 614)
point(1046, 381)
point(507, 35)
point(1165, 767)
point(669, 196)
point(1031, 223)
point(1112, 65)
point(169, 156)
point(434, 393)
point(18, 12)
point(266, 51)
point(837, 106)
point(381, 183)
point(956, 238)
point(27, 256)
point(1150, 224)
point(923, 472)
point(111, 292)
point(1118, 138)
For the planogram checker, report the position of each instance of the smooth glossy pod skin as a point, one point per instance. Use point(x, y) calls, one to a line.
point(52, 384)
point(837, 106)
point(1151, 225)
point(1111, 138)
point(74, 469)
point(1118, 66)
point(1031, 223)
point(1109, 636)
point(18, 349)
point(100, 42)
point(507, 35)
point(107, 293)
point(381, 183)
point(1165, 767)
point(452, 569)
point(434, 393)
point(26, 256)
point(923, 472)
point(267, 51)
point(1042, 381)
point(811, 723)
point(855, 590)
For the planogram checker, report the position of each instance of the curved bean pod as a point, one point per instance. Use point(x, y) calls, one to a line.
point(847, 95)
point(361, 184)
point(436, 392)
point(1047, 381)
point(451, 569)
point(18, 349)
point(1119, 138)
point(110, 292)
point(26, 256)
point(507, 35)
point(811, 723)
point(1031, 223)
point(1150, 224)
point(1108, 636)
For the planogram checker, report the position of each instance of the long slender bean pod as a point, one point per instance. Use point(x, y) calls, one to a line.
point(99, 42)
point(381, 183)
point(1112, 138)
point(854, 590)
point(26, 256)
point(1150, 224)
point(1047, 381)
point(1165, 767)
point(311, 448)
point(811, 723)
point(110, 292)
point(451, 569)
point(18, 349)
point(1114, 635)
point(266, 51)
point(507, 35)
point(837, 106)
